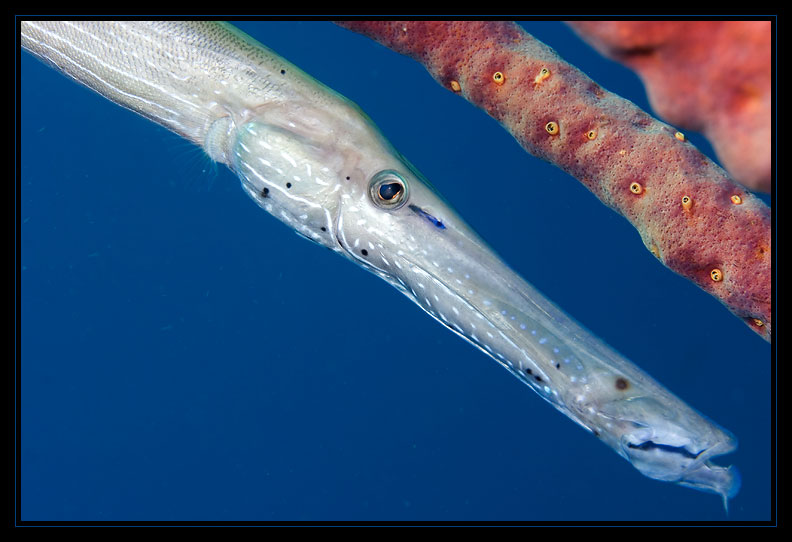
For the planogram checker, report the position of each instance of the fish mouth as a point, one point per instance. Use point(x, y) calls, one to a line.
point(685, 463)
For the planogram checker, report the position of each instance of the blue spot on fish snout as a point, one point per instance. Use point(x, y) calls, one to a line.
point(420, 212)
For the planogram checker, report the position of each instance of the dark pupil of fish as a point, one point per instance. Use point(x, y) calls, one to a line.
point(389, 191)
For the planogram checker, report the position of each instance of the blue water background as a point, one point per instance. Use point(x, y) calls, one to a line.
point(185, 356)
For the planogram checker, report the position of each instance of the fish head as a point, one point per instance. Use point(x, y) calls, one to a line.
point(332, 177)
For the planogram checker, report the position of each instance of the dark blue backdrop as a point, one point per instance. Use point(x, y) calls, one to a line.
point(187, 357)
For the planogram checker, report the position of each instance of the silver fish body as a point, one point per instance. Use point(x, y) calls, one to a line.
point(313, 160)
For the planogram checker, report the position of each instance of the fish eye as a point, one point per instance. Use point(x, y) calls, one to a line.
point(388, 190)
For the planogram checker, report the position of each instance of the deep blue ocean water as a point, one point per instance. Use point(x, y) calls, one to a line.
point(185, 356)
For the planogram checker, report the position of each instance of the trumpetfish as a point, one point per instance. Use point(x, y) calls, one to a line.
point(315, 161)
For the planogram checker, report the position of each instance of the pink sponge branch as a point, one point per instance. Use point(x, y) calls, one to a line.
point(689, 213)
point(709, 76)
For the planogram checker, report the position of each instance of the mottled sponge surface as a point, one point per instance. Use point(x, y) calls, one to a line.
point(713, 77)
point(689, 213)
